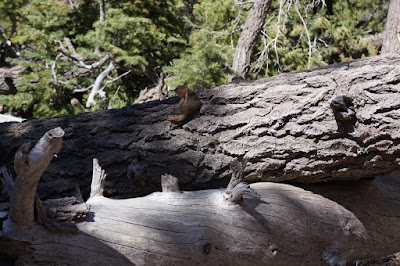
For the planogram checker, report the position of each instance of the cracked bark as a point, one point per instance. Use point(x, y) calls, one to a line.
point(284, 126)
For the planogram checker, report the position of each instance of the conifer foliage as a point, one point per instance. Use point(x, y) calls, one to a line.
point(64, 48)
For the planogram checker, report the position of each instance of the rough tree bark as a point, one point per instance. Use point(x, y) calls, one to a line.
point(282, 225)
point(391, 41)
point(283, 125)
point(249, 36)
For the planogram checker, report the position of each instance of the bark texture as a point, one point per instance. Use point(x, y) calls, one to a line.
point(284, 126)
point(391, 41)
point(286, 226)
point(249, 36)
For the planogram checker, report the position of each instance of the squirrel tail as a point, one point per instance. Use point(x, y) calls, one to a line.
point(176, 118)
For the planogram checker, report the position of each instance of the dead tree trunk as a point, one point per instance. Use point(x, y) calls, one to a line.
point(288, 127)
point(249, 36)
point(279, 225)
point(391, 41)
point(287, 226)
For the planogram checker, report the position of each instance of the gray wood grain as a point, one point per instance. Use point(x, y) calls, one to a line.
point(287, 226)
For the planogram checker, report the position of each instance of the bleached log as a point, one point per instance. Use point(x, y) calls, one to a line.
point(286, 226)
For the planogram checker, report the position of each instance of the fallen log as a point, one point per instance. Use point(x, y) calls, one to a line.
point(338, 122)
point(279, 225)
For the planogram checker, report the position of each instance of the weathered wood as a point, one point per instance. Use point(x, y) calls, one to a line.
point(287, 226)
point(391, 39)
point(98, 178)
point(237, 167)
point(29, 166)
point(283, 125)
point(169, 183)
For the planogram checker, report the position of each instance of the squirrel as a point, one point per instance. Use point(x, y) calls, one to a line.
point(189, 104)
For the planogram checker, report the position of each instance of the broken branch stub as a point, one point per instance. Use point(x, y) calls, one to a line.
point(169, 183)
point(240, 190)
point(98, 178)
point(236, 188)
point(29, 166)
point(237, 167)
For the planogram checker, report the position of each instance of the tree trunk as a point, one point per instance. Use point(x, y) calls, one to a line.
point(289, 127)
point(391, 41)
point(278, 225)
point(249, 36)
point(286, 226)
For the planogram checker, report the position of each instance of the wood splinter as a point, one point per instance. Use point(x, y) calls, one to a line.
point(98, 178)
point(169, 183)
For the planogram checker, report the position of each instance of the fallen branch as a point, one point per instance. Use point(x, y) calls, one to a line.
point(96, 86)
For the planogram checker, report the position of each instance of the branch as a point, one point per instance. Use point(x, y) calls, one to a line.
point(84, 89)
point(73, 4)
point(54, 71)
point(102, 13)
point(29, 166)
point(249, 36)
point(237, 169)
point(96, 87)
point(117, 78)
point(78, 58)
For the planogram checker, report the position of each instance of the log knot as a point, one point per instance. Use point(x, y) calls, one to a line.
point(207, 248)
